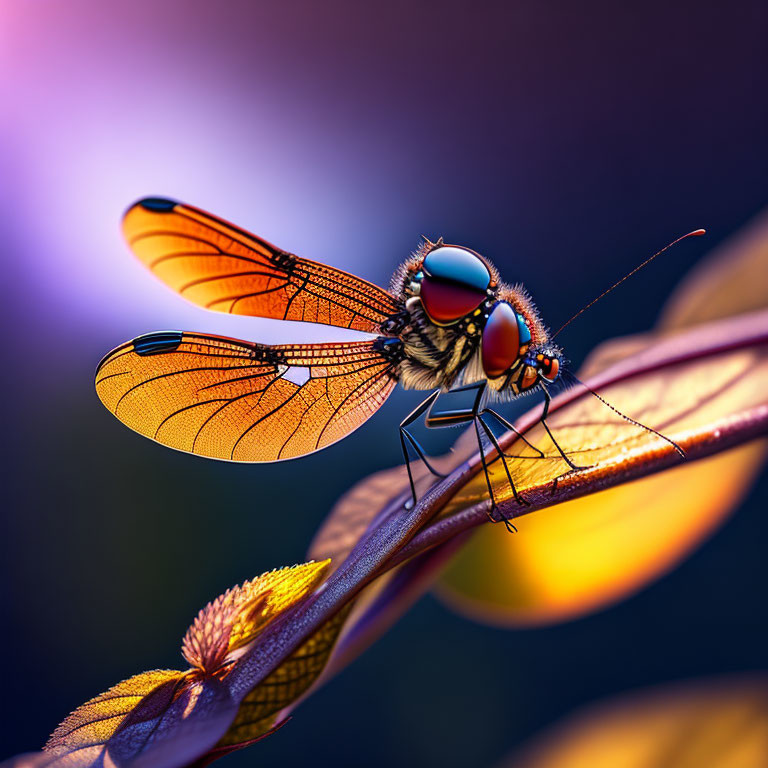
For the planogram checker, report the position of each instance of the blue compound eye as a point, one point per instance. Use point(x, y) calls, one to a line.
point(523, 330)
point(457, 265)
point(455, 283)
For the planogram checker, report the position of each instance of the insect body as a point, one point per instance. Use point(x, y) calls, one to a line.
point(464, 325)
point(447, 322)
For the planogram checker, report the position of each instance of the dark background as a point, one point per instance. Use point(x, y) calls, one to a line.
point(564, 141)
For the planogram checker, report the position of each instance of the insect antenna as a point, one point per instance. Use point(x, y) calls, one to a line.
point(625, 417)
point(695, 233)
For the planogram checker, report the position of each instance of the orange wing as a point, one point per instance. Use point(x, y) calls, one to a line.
point(241, 401)
point(215, 264)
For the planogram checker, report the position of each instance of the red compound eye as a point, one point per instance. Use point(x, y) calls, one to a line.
point(454, 284)
point(448, 302)
point(552, 371)
point(501, 341)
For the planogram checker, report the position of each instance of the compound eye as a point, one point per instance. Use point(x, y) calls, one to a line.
point(500, 346)
point(550, 369)
point(525, 331)
point(455, 282)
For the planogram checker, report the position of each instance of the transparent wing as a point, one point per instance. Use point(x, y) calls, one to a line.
point(221, 267)
point(241, 401)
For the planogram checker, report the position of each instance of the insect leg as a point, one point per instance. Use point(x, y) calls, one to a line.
point(511, 428)
point(494, 506)
point(485, 472)
point(422, 454)
point(463, 416)
point(547, 401)
point(406, 436)
point(518, 498)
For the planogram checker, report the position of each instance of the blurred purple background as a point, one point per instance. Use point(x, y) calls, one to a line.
point(564, 141)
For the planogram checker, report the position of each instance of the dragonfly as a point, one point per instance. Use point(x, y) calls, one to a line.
point(448, 323)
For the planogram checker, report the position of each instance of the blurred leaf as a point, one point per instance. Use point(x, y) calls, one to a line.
point(730, 281)
point(172, 718)
point(587, 554)
point(717, 724)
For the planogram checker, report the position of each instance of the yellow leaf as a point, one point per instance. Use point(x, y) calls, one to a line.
point(582, 555)
point(712, 724)
point(82, 738)
point(259, 710)
point(182, 713)
point(234, 619)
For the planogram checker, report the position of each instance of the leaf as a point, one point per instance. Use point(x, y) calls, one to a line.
point(706, 434)
point(134, 718)
point(285, 685)
point(632, 535)
point(91, 725)
point(354, 512)
point(348, 520)
point(235, 618)
point(587, 553)
point(729, 415)
point(357, 509)
point(163, 733)
point(369, 558)
point(170, 718)
point(384, 601)
point(714, 723)
point(702, 388)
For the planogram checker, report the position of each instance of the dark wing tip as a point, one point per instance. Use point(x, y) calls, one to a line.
point(154, 204)
point(157, 342)
point(153, 343)
point(157, 204)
